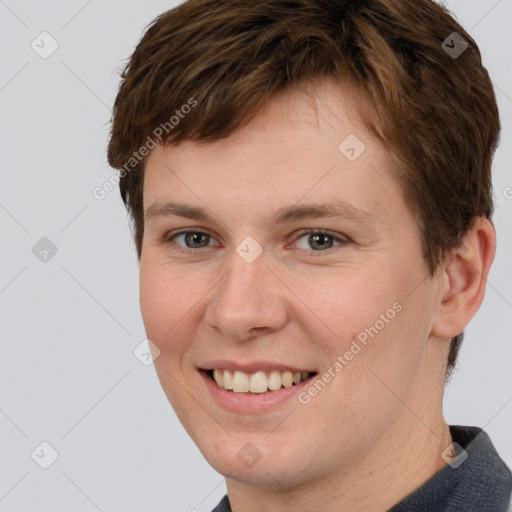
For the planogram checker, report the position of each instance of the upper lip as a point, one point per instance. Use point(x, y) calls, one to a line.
point(265, 366)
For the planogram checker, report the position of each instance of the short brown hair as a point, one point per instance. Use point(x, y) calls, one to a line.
point(437, 110)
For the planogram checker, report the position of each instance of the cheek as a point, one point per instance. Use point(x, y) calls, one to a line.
point(166, 298)
point(172, 302)
point(372, 319)
point(352, 299)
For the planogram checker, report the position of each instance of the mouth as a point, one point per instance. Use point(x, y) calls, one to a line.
point(259, 382)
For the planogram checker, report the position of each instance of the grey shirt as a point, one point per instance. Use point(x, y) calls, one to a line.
point(482, 483)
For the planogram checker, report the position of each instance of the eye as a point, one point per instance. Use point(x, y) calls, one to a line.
point(191, 240)
point(319, 240)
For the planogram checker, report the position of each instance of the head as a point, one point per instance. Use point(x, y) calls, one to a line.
point(242, 109)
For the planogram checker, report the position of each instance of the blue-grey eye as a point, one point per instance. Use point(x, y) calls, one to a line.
point(194, 239)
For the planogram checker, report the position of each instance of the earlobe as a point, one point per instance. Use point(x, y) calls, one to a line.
point(464, 279)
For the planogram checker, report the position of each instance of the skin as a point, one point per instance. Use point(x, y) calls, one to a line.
point(376, 431)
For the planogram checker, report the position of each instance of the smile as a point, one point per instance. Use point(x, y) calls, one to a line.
point(257, 382)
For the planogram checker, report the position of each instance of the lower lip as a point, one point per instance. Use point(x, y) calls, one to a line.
point(254, 403)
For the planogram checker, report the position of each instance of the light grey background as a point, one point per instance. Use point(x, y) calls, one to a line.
point(69, 325)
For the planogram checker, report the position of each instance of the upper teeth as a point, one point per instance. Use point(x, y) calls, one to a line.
point(259, 382)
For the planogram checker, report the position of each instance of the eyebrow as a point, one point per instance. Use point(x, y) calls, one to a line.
point(337, 209)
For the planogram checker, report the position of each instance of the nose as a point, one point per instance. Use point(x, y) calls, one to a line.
point(248, 302)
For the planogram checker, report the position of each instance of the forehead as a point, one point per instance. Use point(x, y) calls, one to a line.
point(308, 145)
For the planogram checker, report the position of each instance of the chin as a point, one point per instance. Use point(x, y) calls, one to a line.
point(264, 466)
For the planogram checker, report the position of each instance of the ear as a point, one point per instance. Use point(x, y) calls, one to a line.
point(463, 280)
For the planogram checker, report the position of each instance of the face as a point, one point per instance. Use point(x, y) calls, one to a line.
point(286, 247)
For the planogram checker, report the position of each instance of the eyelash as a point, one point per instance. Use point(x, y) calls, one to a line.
point(167, 240)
